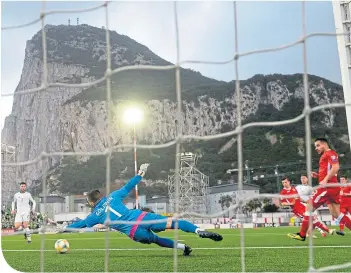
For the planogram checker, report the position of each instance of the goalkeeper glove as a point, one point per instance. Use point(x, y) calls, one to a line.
point(143, 168)
point(61, 228)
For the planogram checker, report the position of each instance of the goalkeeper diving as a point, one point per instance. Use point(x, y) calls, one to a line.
point(142, 233)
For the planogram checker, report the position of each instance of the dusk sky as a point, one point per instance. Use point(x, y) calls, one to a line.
point(206, 33)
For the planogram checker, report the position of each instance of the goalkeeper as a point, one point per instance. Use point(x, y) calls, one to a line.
point(144, 233)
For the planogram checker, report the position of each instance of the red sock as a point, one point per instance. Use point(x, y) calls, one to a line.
point(304, 226)
point(321, 226)
point(346, 221)
point(342, 225)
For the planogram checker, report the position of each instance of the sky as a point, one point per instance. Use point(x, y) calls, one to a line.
point(206, 32)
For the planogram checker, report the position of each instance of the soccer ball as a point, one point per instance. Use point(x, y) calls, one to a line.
point(62, 246)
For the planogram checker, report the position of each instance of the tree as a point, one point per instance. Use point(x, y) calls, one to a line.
point(225, 201)
point(269, 206)
point(251, 206)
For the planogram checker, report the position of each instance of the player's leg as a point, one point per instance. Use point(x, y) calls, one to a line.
point(319, 225)
point(146, 236)
point(335, 208)
point(323, 231)
point(299, 213)
point(342, 225)
point(317, 199)
point(300, 210)
point(183, 225)
point(19, 223)
point(26, 228)
point(343, 221)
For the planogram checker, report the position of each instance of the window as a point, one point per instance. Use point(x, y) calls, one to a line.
point(346, 12)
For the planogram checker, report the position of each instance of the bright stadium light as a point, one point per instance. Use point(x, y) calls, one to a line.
point(133, 116)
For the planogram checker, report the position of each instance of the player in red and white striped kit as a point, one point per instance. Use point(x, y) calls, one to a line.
point(298, 207)
point(345, 201)
point(327, 175)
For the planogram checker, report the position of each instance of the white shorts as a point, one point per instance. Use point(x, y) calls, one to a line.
point(22, 217)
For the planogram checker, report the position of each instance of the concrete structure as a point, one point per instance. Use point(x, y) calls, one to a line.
point(9, 183)
point(342, 18)
point(159, 205)
point(54, 204)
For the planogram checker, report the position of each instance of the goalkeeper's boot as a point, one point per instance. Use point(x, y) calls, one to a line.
point(29, 239)
point(296, 236)
point(211, 235)
point(339, 232)
point(187, 250)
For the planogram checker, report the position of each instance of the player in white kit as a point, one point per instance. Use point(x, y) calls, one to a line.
point(305, 191)
point(23, 210)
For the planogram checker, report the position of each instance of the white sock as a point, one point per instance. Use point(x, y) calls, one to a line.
point(181, 246)
point(198, 229)
point(320, 230)
point(27, 230)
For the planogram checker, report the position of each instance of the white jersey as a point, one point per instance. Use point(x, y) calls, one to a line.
point(22, 202)
point(304, 191)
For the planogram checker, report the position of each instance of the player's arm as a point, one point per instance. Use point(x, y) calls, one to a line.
point(314, 175)
point(334, 162)
point(343, 193)
point(90, 221)
point(285, 204)
point(13, 204)
point(347, 193)
point(279, 202)
point(33, 202)
point(126, 189)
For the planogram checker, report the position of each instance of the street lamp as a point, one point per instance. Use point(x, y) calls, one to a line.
point(134, 116)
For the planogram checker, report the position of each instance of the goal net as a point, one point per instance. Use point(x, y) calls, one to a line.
point(44, 91)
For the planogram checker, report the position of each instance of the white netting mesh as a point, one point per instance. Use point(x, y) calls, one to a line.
point(47, 87)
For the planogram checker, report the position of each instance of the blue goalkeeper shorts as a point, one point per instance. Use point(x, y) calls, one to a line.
point(144, 236)
point(145, 232)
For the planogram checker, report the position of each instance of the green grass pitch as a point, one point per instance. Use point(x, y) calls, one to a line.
point(266, 249)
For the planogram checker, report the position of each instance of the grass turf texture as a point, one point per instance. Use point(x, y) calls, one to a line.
point(266, 249)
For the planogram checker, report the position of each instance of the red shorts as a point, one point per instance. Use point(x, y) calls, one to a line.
point(299, 209)
point(345, 209)
point(325, 196)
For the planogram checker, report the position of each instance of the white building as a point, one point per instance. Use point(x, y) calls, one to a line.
point(159, 205)
point(54, 204)
point(222, 191)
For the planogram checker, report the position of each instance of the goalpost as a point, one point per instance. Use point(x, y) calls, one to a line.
point(342, 18)
point(46, 88)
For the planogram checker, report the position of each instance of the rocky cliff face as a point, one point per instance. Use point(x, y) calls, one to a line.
point(67, 119)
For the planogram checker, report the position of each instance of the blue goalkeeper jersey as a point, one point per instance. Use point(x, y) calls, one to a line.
point(117, 210)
